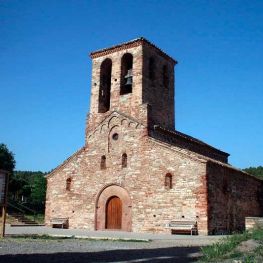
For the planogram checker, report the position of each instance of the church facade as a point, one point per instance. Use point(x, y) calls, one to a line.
point(136, 172)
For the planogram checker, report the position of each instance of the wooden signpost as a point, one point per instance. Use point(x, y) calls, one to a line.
point(3, 198)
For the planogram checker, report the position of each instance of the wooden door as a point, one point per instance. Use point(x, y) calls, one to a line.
point(113, 213)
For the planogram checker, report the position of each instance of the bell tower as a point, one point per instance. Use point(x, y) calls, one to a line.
point(135, 78)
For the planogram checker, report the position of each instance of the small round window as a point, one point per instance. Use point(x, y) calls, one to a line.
point(115, 136)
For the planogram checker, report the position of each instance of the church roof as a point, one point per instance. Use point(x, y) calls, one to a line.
point(185, 141)
point(129, 44)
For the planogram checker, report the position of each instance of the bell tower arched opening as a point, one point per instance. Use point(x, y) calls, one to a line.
point(105, 86)
point(126, 73)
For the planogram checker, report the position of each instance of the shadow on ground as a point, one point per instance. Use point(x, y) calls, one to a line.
point(171, 254)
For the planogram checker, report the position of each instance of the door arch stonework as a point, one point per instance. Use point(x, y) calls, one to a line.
point(103, 198)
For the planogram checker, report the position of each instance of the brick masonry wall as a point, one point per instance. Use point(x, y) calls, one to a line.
point(148, 162)
point(217, 196)
point(144, 90)
point(129, 103)
point(154, 92)
point(233, 195)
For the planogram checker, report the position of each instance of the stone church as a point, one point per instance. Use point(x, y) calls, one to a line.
point(136, 172)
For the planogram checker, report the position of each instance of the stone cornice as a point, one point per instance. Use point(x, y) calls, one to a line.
point(130, 44)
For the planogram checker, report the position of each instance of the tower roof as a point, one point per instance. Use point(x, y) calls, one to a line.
point(130, 44)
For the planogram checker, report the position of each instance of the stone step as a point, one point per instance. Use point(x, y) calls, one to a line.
point(22, 220)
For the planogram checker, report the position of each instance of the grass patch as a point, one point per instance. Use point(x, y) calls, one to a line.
point(257, 234)
point(61, 237)
point(225, 248)
point(41, 237)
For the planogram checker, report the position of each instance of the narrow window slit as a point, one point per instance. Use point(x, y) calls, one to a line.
point(103, 162)
point(124, 160)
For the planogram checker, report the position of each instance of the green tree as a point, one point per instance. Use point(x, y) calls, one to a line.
point(7, 160)
point(18, 186)
point(29, 188)
point(38, 190)
point(256, 171)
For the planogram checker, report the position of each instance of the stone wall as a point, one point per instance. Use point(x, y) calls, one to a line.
point(233, 195)
point(254, 223)
point(155, 90)
point(145, 91)
point(187, 200)
point(128, 103)
point(217, 196)
point(152, 205)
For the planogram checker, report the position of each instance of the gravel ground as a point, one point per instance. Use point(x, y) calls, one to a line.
point(201, 240)
point(162, 248)
point(16, 250)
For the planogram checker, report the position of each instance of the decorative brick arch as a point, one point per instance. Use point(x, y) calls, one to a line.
point(100, 210)
point(114, 144)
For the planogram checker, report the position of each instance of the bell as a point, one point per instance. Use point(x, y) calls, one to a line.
point(128, 77)
point(128, 81)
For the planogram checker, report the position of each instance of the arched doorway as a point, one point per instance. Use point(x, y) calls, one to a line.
point(113, 209)
point(113, 213)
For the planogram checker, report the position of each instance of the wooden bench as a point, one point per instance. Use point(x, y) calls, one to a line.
point(183, 226)
point(59, 221)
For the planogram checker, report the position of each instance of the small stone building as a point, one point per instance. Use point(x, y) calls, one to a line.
point(136, 172)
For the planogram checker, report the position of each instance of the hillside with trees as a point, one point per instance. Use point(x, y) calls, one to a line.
point(256, 171)
point(25, 187)
point(29, 188)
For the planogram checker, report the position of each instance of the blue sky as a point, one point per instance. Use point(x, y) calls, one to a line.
point(45, 71)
